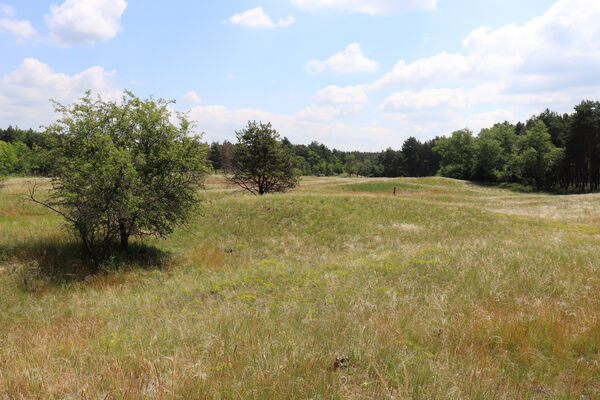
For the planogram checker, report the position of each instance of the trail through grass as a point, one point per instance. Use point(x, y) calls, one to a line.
point(446, 291)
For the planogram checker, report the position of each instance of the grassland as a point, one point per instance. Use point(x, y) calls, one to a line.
point(446, 291)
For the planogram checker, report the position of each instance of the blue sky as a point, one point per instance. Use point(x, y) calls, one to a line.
point(353, 74)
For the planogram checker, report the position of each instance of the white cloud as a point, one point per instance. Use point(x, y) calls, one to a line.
point(478, 121)
point(257, 18)
point(457, 98)
point(328, 113)
point(342, 95)
point(191, 97)
point(554, 49)
point(85, 21)
point(7, 10)
point(22, 29)
point(423, 71)
point(430, 98)
point(351, 60)
point(371, 7)
point(25, 92)
point(507, 73)
point(319, 123)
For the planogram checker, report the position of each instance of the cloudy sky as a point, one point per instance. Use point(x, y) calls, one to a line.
point(353, 74)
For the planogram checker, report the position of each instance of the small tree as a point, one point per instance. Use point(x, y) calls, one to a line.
point(124, 170)
point(261, 164)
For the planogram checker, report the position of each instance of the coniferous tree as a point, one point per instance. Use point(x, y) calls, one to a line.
point(261, 163)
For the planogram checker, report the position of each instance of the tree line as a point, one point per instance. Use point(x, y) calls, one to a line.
point(549, 151)
point(26, 152)
point(316, 159)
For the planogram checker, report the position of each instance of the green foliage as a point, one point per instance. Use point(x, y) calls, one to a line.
point(33, 151)
point(486, 162)
point(215, 156)
point(558, 126)
point(391, 162)
point(537, 158)
point(352, 165)
point(8, 158)
point(261, 163)
point(124, 170)
point(457, 153)
point(582, 149)
point(494, 148)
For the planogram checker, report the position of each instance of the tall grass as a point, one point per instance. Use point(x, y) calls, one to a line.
point(446, 291)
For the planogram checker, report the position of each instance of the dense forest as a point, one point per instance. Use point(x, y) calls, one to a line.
point(549, 151)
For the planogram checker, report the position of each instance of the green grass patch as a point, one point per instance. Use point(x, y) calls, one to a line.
point(380, 186)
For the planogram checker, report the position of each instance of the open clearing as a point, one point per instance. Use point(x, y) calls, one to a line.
point(446, 291)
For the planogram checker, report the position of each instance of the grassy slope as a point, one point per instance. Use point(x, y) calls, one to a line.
point(447, 290)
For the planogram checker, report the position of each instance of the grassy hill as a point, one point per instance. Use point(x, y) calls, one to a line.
point(447, 290)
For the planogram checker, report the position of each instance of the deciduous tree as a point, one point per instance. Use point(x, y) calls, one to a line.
point(124, 169)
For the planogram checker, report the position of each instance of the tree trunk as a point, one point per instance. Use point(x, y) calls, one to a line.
point(124, 235)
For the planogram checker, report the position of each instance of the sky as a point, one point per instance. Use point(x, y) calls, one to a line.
point(353, 74)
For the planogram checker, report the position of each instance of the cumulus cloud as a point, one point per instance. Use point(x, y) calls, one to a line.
point(257, 18)
point(423, 71)
point(7, 10)
point(85, 21)
point(351, 60)
point(342, 95)
point(372, 7)
point(505, 73)
point(22, 29)
point(558, 47)
point(25, 92)
point(329, 113)
point(456, 98)
point(191, 97)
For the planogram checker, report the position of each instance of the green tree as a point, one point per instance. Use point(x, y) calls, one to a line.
point(537, 160)
point(411, 151)
point(392, 163)
point(351, 165)
point(8, 158)
point(336, 165)
point(124, 169)
point(456, 154)
point(494, 148)
point(582, 150)
point(215, 155)
point(557, 125)
point(261, 163)
point(486, 161)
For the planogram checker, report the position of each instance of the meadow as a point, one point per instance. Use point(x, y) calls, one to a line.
point(336, 290)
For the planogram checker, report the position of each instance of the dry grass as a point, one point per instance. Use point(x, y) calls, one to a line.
point(446, 291)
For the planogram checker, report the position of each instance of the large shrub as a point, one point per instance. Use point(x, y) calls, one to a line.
point(124, 170)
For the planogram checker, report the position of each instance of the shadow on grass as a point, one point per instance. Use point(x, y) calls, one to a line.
point(58, 263)
point(520, 188)
point(513, 187)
